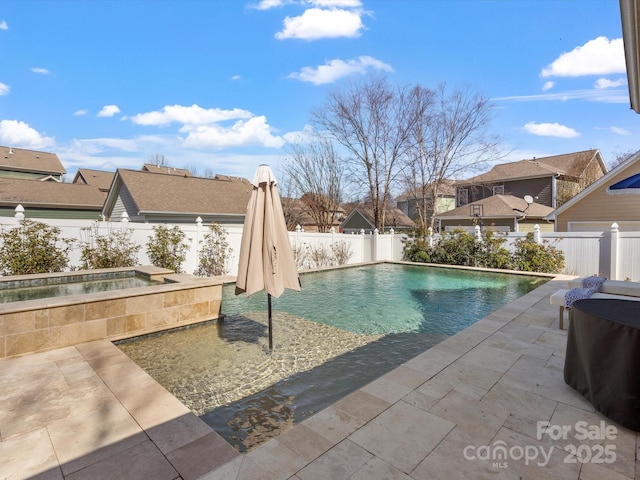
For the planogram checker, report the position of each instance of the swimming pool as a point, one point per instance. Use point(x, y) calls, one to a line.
point(344, 329)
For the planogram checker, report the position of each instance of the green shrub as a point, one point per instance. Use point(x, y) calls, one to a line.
point(167, 248)
point(33, 247)
point(530, 256)
point(113, 250)
point(416, 248)
point(214, 254)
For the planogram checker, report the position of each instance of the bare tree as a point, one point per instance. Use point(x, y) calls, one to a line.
point(621, 157)
point(371, 121)
point(449, 137)
point(315, 174)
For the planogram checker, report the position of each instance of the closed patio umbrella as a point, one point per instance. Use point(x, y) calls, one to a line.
point(266, 260)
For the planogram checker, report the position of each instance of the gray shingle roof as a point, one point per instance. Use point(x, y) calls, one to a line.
point(33, 193)
point(97, 178)
point(21, 160)
point(499, 206)
point(569, 164)
point(154, 193)
point(167, 170)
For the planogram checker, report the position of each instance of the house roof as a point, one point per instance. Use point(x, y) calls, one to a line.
point(568, 164)
point(21, 160)
point(632, 160)
point(161, 193)
point(394, 218)
point(298, 208)
point(447, 188)
point(167, 170)
point(36, 194)
point(97, 178)
point(499, 206)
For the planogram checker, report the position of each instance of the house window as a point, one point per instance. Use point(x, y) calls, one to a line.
point(498, 190)
point(476, 210)
point(463, 196)
point(628, 185)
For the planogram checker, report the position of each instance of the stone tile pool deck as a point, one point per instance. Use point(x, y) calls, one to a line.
point(88, 412)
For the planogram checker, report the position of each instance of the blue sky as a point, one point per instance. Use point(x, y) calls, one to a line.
point(224, 85)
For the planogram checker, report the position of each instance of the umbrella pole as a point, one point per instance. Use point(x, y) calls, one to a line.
point(270, 325)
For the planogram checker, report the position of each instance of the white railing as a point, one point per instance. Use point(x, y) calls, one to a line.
point(613, 254)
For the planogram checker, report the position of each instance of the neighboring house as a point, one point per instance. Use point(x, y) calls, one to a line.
point(550, 181)
point(505, 213)
point(612, 198)
point(296, 212)
point(30, 164)
point(361, 218)
point(409, 202)
point(150, 167)
point(42, 199)
point(96, 178)
point(152, 197)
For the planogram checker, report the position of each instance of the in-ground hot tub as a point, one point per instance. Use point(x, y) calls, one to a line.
point(168, 300)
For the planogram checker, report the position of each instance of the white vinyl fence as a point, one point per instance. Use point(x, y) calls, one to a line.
point(613, 254)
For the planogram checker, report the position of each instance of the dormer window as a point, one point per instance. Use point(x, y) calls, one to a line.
point(628, 185)
point(498, 190)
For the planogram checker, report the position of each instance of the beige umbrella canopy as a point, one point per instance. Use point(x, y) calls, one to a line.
point(266, 260)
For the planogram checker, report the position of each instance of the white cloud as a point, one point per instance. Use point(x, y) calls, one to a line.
point(254, 131)
point(550, 130)
point(79, 113)
point(619, 130)
point(606, 83)
point(336, 3)
point(3, 25)
point(236, 77)
point(547, 86)
point(109, 111)
point(40, 71)
point(316, 23)
point(594, 95)
point(306, 135)
point(4, 89)
point(268, 4)
point(193, 115)
point(600, 56)
point(337, 69)
point(20, 134)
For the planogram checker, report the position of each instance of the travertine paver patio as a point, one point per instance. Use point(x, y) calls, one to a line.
point(89, 412)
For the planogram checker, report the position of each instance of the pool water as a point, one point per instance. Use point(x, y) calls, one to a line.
point(344, 329)
point(22, 294)
point(392, 298)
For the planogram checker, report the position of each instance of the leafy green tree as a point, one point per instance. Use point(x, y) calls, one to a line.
point(33, 247)
point(214, 254)
point(167, 247)
point(113, 250)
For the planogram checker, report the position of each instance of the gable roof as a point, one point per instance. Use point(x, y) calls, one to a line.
point(21, 160)
point(632, 160)
point(97, 178)
point(36, 194)
point(154, 193)
point(568, 164)
point(394, 218)
point(166, 169)
point(447, 188)
point(499, 206)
